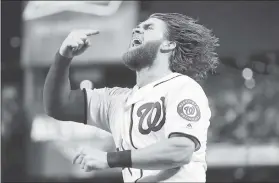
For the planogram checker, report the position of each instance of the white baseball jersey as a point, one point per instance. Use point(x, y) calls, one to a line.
point(139, 117)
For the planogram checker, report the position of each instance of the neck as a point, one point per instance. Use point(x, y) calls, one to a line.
point(151, 74)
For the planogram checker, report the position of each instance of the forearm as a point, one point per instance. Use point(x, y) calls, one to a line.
point(169, 153)
point(57, 85)
point(166, 154)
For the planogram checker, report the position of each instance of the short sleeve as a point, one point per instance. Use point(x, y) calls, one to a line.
point(97, 107)
point(187, 113)
point(98, 103)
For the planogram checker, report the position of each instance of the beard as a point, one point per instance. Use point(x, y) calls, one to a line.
point(142, 56)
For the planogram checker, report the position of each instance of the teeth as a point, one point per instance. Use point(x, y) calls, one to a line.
point(136, 41)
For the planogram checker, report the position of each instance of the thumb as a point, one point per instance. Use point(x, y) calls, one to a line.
point(87, 43)
point(82, 49)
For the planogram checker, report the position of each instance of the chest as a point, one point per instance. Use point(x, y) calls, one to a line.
point(148, 116)
point(139, 123)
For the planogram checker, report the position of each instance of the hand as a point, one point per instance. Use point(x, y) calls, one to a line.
point(76, 43)
point(91, 159)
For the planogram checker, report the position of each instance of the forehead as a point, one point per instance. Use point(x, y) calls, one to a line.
point(154, 21)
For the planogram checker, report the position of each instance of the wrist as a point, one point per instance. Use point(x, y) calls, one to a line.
point(62, 59)
point(64, 53)
point(120, 159)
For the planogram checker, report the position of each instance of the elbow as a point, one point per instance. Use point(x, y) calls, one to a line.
point(55, 113)
point(184, 153)
point(53, 109)
point(49, 109)
point(183, 158)
point(52, 113)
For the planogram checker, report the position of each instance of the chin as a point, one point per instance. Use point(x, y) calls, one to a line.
point(135, 47)
point(141, 56)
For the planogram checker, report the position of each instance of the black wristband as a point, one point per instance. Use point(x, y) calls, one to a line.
point(121, 159)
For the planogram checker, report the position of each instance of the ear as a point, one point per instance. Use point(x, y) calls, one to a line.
point(168, 46)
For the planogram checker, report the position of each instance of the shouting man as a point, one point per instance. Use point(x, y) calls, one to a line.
point(160, 125)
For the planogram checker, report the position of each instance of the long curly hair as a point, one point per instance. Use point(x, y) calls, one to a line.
point(194, 54)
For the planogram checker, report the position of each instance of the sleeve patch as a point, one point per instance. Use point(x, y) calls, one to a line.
point(189, 110)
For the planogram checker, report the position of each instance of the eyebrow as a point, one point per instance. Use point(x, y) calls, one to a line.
point(144, 25)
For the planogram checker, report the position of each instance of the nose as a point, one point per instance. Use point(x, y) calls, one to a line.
point(137, 31)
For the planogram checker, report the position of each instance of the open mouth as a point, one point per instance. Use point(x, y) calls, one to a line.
point(136, 42)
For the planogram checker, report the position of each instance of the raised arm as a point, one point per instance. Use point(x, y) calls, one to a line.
point(60, 102)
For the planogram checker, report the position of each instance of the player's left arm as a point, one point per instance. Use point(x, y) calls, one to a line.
point(166, 154)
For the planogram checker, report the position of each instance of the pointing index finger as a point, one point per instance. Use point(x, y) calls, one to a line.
point(91, 32)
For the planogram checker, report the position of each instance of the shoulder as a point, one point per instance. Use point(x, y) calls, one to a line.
point(114, 91)
point(187, 92)
point(184, 82)
point(106, 92)
point(184, 86)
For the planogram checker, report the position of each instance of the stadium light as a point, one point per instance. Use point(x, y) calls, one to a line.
point(87, 84)
point(247, 73)
point(250, 84)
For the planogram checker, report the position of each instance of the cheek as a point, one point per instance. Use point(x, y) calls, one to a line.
point(154, 36)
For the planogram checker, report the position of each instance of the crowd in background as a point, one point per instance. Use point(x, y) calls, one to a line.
point(244, 115)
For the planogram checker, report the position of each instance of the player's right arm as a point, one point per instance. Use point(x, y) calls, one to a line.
point(60, 102)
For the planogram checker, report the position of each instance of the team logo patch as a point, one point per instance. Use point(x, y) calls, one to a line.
point(189, 110)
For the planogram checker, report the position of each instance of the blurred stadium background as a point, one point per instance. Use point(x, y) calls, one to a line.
point(244, 92)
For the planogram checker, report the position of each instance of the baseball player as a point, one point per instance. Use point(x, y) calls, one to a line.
point(160, 125)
